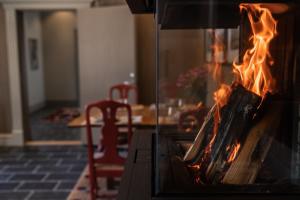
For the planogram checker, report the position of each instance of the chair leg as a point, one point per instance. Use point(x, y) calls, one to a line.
point(93, 183)
point(93, 188)
point(92, 196)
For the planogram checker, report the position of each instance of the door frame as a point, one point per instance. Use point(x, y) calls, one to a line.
point(16, 137)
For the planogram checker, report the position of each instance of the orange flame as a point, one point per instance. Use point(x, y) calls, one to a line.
point(254, 73)
point(234, 152)
point(222, 94)
point(221, 98)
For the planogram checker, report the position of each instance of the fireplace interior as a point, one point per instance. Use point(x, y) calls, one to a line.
point(228, 74)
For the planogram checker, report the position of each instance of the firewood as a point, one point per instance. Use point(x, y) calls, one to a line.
point(236, 117)
point(196, 149)
point(254, 151)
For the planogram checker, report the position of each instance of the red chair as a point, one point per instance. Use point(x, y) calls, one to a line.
point(124, 90)
point(192, 119)
point(105, 160)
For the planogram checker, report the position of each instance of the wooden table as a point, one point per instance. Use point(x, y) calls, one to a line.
point(142, 116)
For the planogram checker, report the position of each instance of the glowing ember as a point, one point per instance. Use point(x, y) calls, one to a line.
point(254, 73)
point(198, 180)
point(234, 152)
point(196, 167)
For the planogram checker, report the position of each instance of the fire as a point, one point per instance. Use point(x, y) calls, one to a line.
point(221, 97)
point(234, 152)
point(222, 94)
point(254, 72)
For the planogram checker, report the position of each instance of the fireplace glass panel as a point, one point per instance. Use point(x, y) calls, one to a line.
point(227, 98)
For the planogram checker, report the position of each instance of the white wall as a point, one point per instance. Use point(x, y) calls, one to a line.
point(60, 55)
point(106, 50)
point(35, 78)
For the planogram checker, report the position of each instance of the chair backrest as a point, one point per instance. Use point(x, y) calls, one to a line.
point(124, 90)
point(110, 131)
point(192, 119)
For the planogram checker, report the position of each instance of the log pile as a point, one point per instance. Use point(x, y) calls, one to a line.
point(235, 152)
point(245, 168)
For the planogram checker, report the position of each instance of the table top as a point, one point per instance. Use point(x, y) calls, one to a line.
point(142, 116)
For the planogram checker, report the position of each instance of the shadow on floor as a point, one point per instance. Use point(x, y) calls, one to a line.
point(42, 128)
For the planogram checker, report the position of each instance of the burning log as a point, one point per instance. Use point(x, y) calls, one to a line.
point(225, 131)
point(255, 149)
point(216, 145)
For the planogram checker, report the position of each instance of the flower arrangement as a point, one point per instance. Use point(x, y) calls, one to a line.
point(192, 84)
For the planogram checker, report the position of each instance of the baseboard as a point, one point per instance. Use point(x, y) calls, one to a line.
point(54, 143)
point(12, 139)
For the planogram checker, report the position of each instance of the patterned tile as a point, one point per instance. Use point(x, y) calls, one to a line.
point(40, 172)
point(49, 196)
point(8, 186)
point(42, 129)
point(44, 162)
point(43, 168)
point(27, 177)
point(73, 162)
point(14, 169)
point(4, 177)
point(12, 161)
point(63, 176)
point(78, 168)
point(12, 195)
point(38, 186)
point(66, 185)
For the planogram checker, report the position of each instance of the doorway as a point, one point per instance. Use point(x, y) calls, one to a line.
point(49, 74)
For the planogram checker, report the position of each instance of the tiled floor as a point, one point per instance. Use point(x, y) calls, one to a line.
point(44, 130)
point(40, 173)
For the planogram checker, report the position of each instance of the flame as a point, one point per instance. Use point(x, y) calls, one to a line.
point(222, 94)
point(221, 97)
point(234, 152)
point(254, 72)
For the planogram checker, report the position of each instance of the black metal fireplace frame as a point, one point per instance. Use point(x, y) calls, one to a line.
point(169, 20)
point(272, 192)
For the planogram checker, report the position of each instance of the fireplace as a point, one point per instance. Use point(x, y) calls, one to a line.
point(228, 77)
